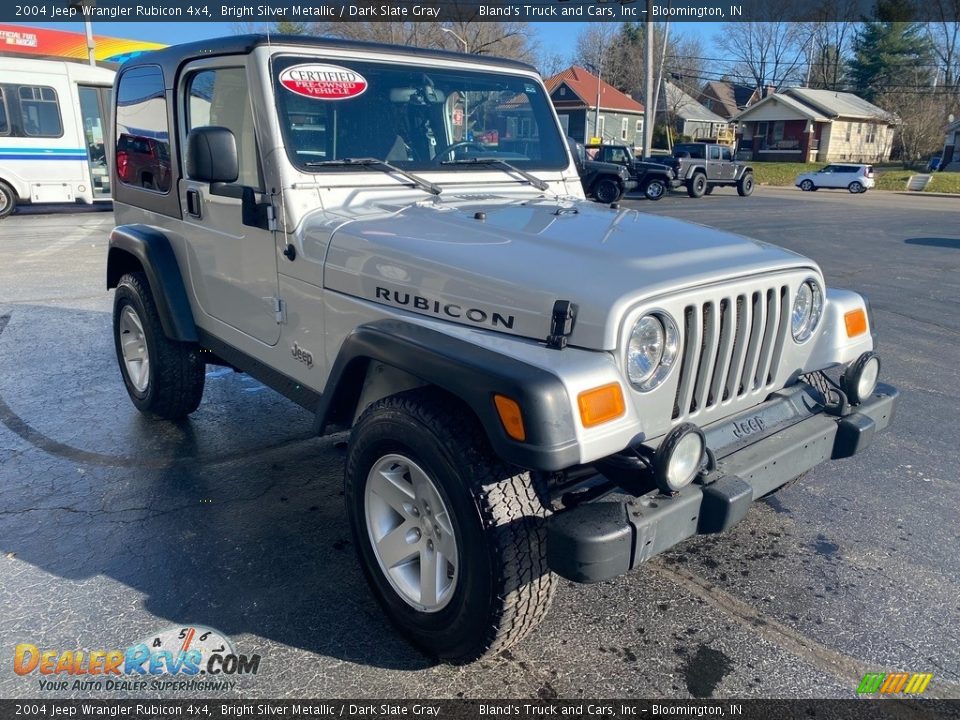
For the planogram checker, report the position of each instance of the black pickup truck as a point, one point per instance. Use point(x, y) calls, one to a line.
point(653, 179)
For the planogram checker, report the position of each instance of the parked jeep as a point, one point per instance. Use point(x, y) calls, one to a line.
point(535, 386)
point(701, 167)
point(604, 182)
point(652, 178)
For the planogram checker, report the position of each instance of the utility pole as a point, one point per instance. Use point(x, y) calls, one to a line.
point(596, 110)
point(649, 100)
point(78, 6)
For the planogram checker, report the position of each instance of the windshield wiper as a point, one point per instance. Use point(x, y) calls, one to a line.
point(387, 167)
point(532, 179)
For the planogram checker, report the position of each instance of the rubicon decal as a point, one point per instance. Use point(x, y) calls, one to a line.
point(323, 82)
point(448, 309)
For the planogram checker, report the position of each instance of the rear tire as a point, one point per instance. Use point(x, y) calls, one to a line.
point(745, 185)
point(499, 586)
point(8, 199)
point(697, 185)
point(855, 188)
point(607, 191)
point(654, 189)
point(164, 378)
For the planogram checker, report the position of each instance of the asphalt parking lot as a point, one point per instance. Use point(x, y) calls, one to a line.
point(113, 527)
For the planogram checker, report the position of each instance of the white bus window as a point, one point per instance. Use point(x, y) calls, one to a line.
point(4, 123)
point(40, 111)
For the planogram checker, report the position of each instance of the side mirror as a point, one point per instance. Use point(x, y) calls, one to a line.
point(212, 155)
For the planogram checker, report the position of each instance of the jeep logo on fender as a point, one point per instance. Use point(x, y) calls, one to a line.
point(302, 355)
point(453, 310)
point(323, 82)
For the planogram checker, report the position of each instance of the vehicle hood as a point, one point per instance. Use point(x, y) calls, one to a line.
point(599, 166)
point(501, 264)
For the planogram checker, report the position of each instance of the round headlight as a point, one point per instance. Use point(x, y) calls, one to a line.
point(651, 350)
point(679, 457)
point(807, 310)
point(859, 380)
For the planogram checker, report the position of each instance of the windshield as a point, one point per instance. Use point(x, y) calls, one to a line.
point(416, 118)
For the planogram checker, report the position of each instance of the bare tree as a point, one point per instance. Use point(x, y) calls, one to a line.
point(921, 120)
point(765, 53)
point(826, 48)
point(944, 33)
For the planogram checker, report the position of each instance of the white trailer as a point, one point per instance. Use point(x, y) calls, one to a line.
point(52, 119)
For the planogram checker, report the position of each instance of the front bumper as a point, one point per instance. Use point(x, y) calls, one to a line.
point(756, 451)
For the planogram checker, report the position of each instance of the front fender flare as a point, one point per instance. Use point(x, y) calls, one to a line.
point(472, 373)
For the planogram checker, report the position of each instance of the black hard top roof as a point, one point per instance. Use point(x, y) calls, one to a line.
point(171, 57)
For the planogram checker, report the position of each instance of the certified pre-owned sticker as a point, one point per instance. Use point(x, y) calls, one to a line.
point(323, 82)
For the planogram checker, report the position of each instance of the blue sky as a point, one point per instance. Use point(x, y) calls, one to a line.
point(555, 37)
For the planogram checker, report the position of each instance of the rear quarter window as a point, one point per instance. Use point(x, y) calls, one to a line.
point(142, 131)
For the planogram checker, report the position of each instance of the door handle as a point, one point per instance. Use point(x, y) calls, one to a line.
point(193, 202)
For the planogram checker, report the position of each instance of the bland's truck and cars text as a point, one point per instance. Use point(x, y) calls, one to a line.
point(536, 386)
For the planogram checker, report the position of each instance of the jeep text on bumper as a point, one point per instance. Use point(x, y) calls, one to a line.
point(786, 436)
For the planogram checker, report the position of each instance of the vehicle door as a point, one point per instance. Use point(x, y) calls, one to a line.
point(94, 101)
point(728, 168)
point(233, 266)
point(714, 163)
point(827, 177)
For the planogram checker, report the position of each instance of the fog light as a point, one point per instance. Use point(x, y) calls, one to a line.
point(679, 457)
point(859, 380)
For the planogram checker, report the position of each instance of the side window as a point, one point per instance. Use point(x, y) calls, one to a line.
point(143, 135)
point(714, 152)
point(220, 97)
point(4, 122)
point(725, 153)
point(40, 111)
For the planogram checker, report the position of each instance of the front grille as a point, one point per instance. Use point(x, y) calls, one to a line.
point(731, 347)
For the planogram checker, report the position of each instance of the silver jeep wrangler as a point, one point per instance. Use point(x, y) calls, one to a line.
point(535, 385)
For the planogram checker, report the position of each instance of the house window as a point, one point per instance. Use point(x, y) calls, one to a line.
point(624, 129)
point(762, 130)
point(639, 126)
point(778, 131)
point(601, 125)
point(859, 128)
point(871, 134)
point(848, 134)
point(563, 90)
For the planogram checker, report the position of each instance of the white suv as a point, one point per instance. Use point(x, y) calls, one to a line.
point(855, 178)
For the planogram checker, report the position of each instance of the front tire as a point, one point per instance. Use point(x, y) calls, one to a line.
point(8, 199)
point(697, 185)
point(452, 540)
point(806, 185)
point(164, 378)
point(654, 189)
point(745, 185)
point(607, 191)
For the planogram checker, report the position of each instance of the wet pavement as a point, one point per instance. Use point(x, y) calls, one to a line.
point(114, 528)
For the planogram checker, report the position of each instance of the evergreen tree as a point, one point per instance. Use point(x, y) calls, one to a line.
point(890, 57)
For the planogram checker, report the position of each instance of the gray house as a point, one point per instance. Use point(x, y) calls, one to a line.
point(686, 117)
point(575, 94)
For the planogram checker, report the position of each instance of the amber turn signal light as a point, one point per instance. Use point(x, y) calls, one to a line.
point(510, 417)
point(856, 322)
point(601, 404)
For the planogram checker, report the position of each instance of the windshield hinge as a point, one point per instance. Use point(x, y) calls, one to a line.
point(271, 218)
point(279, 310)
point(561, 324)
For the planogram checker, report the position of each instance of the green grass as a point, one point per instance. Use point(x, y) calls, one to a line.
point(889, 177)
